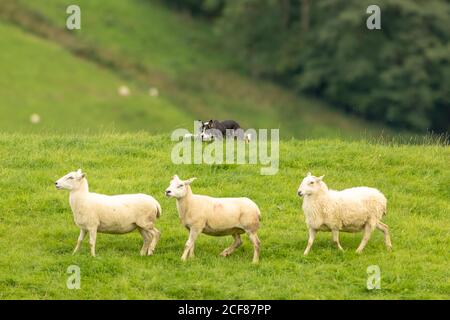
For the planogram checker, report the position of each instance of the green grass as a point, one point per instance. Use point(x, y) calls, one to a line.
point(69, 93)
point(37, 232)
point(71, 78)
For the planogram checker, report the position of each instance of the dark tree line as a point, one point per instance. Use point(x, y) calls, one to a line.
point(399, 75)
point(204, 8)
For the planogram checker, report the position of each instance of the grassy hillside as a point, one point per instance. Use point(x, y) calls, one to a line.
point(71, 78)
point(37, 233)
point(69, 93)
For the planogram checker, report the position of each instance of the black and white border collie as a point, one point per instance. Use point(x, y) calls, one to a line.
point(207, 132)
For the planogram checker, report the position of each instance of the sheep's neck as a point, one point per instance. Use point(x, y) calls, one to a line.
point(316, 202)
point(321, 195)
point(79, 193)
point(183, 203)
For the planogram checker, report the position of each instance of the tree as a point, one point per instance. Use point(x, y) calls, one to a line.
point(399, 74)
point(304, 13)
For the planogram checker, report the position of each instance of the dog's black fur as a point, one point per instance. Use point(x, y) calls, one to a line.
point(222, 126)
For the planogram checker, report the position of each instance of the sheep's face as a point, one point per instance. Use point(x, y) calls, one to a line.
point(178, 188)
point(310, 185)
point(70, 181)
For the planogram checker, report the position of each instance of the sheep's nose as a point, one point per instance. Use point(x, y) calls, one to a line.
point(168, 192)
point(300, 194)
point(56, 183)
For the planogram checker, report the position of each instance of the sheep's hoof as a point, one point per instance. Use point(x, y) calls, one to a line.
point(358, 251)
point(150, 252)
point(225, 253)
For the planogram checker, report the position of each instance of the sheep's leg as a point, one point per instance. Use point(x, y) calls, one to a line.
point(312, 236)
point(92, 240)
point(387, 239)
point(155, 238)
point(80, 240)
point(147, 237)
point(368, 229)
point(236, 244)
point(191, 251)
point(336, 239)
point(189, 247)
point(256, 246)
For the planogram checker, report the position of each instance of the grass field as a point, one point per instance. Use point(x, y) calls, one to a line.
point(37, 232)
point(88, 100)
point(71, 78)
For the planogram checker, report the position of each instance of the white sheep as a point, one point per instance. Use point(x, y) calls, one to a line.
point(117, 214)
point(215, 217)
point(349, 210)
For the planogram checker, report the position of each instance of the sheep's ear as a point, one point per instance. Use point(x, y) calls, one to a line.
point(80, 174)
point(188, 182)
point(175, 177)
point(308, 174)
point(320, 178)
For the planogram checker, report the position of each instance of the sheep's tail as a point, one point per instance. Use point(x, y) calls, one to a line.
point(158, 210)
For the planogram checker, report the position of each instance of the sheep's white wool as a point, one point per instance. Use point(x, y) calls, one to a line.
point(110, 214)
point(124, 91)
point(349, 210)
point(215, 216)
point(153, 92)
point(35, 118)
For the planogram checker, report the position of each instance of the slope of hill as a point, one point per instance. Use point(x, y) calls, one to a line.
point(141, 44)
point(69, 93)
point(37, 232)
